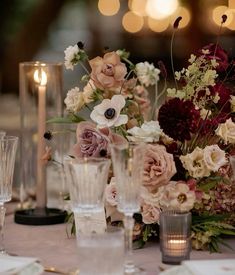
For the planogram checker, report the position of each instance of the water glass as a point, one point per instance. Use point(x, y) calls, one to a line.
point(2, 134)
point(127, 163)
point(101, 254)
point(175, 232)
point(8, 146)
point(87, 180)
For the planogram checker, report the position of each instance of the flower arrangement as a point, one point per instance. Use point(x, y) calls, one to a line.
point(189, 139)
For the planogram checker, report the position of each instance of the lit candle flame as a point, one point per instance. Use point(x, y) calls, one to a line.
point(40, 77)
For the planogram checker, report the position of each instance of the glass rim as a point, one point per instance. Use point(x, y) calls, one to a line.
point(126, 145)
point(40, 64)
point(175, 213)
point(4, 138)
point(86, 160)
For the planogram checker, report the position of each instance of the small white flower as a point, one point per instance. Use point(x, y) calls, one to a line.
point(214, 63)
point(74, 100)
point(171, 92)
point(209, 77)
point(149, 132)
point(205, 51)
point(177, 75)
point(147, 74)
point(107, 114)
point(205, 113)
point(71, 57)
point(192, 58)
point(214, 157)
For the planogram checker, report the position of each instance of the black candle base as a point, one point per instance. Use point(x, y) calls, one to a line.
point(40, 216)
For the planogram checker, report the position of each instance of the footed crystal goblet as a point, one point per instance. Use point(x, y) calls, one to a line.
point(128, 170)
point(8, 146)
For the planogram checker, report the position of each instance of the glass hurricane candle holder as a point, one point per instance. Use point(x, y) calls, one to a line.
point(175, 236)
point(40, 99)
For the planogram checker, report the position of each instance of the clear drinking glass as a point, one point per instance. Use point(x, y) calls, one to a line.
point(88, 178)
point(8, 146)
point(2, 134)
point(128, 170)
point(101, 254)
point(175, 232)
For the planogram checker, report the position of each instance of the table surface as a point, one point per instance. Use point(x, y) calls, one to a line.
point(51, 245)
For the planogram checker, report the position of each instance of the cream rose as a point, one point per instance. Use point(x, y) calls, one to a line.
point(88, 92)
point(111, 192)
point(194, 163)
point(159, 167)
point(226, 131)
point(214, 157)
point(108, 72)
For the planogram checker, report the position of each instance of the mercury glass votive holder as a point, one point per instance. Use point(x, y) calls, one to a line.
point(175, 236)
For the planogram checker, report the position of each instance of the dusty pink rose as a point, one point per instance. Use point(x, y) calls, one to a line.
point(92, 142)
point(108, 72)
point(159, 167)
point(111, 192)
point(150, 213)
point(141, 96)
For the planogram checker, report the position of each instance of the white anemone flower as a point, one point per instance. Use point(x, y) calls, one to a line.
point(107, 114)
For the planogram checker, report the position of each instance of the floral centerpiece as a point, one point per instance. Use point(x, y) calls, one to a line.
point(189, 139)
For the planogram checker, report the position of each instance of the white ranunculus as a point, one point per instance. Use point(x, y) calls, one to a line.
point(147, 74)
point(214, 157)
point(226, 131)
point(74, 100)
point(194, 164)
point(71, 53)
point(149, 132)
point(107, 114)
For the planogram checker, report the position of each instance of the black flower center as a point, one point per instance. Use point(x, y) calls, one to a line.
point(103, 153)
point(182, 198)
point(48, 135)
point(110, 113)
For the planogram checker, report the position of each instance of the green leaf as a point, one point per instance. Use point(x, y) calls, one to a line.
point(137, 244)
point(209, 218)
point(68, 119)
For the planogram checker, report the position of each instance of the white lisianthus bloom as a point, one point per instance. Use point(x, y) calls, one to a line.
point(177, 196)
point(71, 56)
point(232, 101)
point(214, 157)
point(147, 74)
point(226, 131)
point(149, 132)
point(194, 163)
point(88, 92)
point(107, 114)
point(74, 100)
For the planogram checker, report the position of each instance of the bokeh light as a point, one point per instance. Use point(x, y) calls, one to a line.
point(132, 22)
point(231, 26)
point(186, 17)
point(159, 9)
point(138, 6)
point(108, 7)
point(218, 12)
point(158, 25)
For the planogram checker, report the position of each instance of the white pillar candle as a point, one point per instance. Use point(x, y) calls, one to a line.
point(176, 248)
point(40, 78)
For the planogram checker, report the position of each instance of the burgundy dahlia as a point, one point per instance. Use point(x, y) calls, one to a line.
point(179, 119)
point(217, 53)
point(224, 94)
